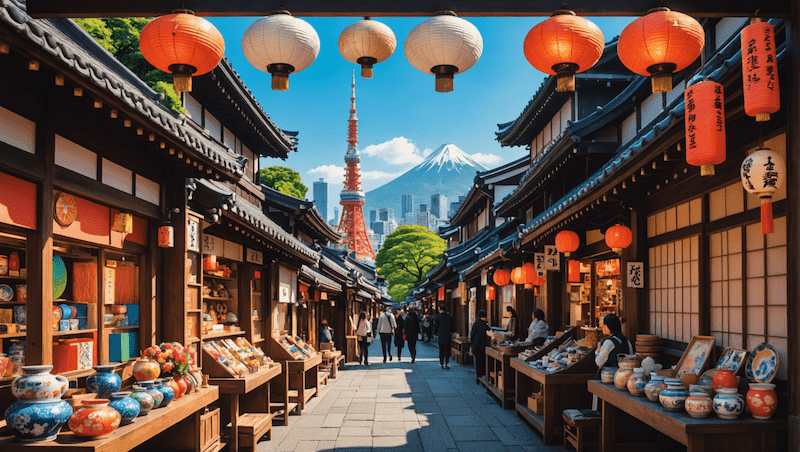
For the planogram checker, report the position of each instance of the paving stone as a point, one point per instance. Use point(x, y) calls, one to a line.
point(333, 420)
point(355, 431)
point(473, 433)
point(463, 421)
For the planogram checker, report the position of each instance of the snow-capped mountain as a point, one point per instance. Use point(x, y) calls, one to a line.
point(448, 170)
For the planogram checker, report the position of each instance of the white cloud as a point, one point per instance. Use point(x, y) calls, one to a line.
point(380, 175)
point(397, 151)
point(331, 173)
point(487, 159)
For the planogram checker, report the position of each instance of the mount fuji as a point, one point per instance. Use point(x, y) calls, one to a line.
point(447, 170)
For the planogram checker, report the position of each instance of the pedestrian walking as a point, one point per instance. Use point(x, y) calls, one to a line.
point(386, 324)
point(411, 328)
point(427, 325)
point(364, 334)
point(444, 326)
point(399, 334)
point(479, 342)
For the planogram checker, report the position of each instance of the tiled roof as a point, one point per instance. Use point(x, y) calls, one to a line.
point(319, 279)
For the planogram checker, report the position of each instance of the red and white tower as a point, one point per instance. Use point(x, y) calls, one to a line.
point(352, 223)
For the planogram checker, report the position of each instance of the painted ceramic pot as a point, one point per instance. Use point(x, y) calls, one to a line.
point(654, 387)
point(607, 375)
point(673, 397)
point(698, 404)
point(158, 396)
point(724, 378)
point(762, 400)
point(178, 385)
point(38, 420)
point(728, 403)
point(637, 382)
point(700, 388)
point(38, 384)
point(146, 370)
point(169, 393)
point(104, 382)
point(621, 377)
point(127, 408)
point(95, 420)
point(146, 401)
point(191, 384)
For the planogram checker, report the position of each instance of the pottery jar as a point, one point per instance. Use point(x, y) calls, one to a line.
point(698, 404)
point(175, 384)
point(607, 375)
point(145, 400)
point(38, 384)
point(104, 382)
point(158, 396)
point(34, 421)
point(762, 400)
point(145, 369)
point(95, 420)
point(191, 383)
point(673, 397)
point(653, 387)
point(700, 388)
point(169, 393)
point(728, 403)
point(724, 378)
point(127, 408)
point(623, 373)
point(637, 382)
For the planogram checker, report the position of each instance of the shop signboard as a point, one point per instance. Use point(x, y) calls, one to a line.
point(552, 258)
point(539, 263)
point(193, 236)
point(255, 257)
point(635, 275)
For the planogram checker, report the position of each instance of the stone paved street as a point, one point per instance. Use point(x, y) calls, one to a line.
point(405, 407)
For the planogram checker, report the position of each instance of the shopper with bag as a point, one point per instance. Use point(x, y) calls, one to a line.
point(364, 333)
point(386, 324)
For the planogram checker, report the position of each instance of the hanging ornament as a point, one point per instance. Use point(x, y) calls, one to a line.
point(516, 276)
point(564, 45)
point(705, 126)
point(444, 45)
point(367, 42)
point(182, 44)
point(574, 271)
point(529, 272)
point(762, 95)
point(659, 44)
point(567, 242)
point(281, 45)
point(490, 293)
point(123, 222)
point(763, 173)
point(618, 237)
point(501, 277)
point(166, 236)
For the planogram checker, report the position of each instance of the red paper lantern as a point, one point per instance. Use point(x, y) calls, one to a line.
point(618, 237)
point(574, 271)
point(763, 173)
point(166, 236)
point(705, 126)
point(537, 280)
point(529, 272)
point(501, 277)
point(567, 242)
point(762, 95)
point(660, 44)
point(490, 293)
point(440, 294)
point(564, 45)
point(183, 45)
point(516, 276)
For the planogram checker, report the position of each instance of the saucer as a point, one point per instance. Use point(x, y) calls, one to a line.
point(6, 292)
point(762, 364)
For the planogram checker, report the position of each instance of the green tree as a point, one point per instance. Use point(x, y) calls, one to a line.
point(284, 180)
point(408, 254)
point(120, 36)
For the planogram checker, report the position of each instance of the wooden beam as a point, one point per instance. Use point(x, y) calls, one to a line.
point(378, 8)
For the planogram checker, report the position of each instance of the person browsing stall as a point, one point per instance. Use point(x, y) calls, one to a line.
point(538, 329)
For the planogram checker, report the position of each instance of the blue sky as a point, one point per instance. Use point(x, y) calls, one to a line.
point(401, 117)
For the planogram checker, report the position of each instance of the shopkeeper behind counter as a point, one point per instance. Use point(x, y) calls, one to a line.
point(538, 329)
point(511, 333)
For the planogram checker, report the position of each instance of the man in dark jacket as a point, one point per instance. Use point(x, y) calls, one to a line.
point(479, 342)
point(444, 326)
point(412, 330)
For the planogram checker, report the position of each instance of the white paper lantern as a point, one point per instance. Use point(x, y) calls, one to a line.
point(763, 173)
point(444, 45)
point(280, 44)
point(367, 42)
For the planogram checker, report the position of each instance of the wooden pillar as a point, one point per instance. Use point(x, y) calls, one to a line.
point(172, 324)
point(633, 300)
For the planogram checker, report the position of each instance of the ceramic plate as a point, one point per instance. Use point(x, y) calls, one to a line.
point(6, 292)
point(762, 364)
point(707, 379)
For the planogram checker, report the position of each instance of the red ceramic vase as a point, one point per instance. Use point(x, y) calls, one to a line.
point(762, 400)
point(724, 378)
point(189, 383)
point(181, 386)
point(96, 419)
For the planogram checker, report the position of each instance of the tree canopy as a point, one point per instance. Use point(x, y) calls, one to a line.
point(285, 180)
point(120, 36)
point(408, 254)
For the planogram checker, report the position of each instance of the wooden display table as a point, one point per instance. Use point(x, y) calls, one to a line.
point(180, 413)
point(351, 353)
point(303, 376)
point(562, 390)
point(502, 384)
point(258, 420)
point(334, 363)
point(621, 410)
point(460, 350)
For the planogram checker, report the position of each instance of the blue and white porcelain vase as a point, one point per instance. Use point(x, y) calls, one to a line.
point(673, 397)
point(158, 396)
point(125, 406)
point(728, 403)
point(145, 399)
point(37, 421)
point(103, 382)
point(38, 384)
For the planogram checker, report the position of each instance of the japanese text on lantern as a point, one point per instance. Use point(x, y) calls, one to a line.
point(752, 64)
point(747, 166)
point(770, 178)
point(719, 120)
point(691, 117)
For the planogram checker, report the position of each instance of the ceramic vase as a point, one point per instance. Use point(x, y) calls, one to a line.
point(38, 384)
point(637, 382)
point(673, 397)
point(191, 385)
point(698, 404)
point(621, 377)
point(169, 393)
point(127, 407)
point(145, 399)
point(654, 387)
point(95, 420)
point(103, 382)
point(728, 403)
point(762, 400)
point(607, 375)
point(146, 370)
point(724, 378)
point(36, 421)
point(158, 396)
point(178, 384)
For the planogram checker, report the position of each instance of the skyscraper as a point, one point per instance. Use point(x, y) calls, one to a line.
point(373, 216)
point(386, 214)
point(321, 197)
point(439, 206)
point(406, 205)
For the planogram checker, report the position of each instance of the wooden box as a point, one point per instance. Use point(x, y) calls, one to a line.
point(209, 430)
point(252, 426)
point(536, 403)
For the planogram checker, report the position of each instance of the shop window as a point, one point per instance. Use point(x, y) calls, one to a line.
point(725, 267)
point(674, 289)
point(17, 131)
point(117, 176)
point(674, 218)
point(75, 157)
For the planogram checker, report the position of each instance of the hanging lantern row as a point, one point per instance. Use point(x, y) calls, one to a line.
point(367, 42)
point(705, 126)
point(618, 237)
point(763, 172)
point(762, 95)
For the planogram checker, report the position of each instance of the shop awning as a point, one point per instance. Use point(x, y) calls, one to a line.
point(364, 294)
point(319, 280)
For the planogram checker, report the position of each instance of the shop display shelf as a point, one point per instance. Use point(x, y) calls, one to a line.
point(12, 302)
point(213, 335)
point(123, 328)
point(13, 335)
point(13, 278)
point(75, 332)
point(220, 278)
point(206, 297)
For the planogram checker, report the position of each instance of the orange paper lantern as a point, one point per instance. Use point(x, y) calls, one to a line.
point(618, 237)
point(660, 44)
point(567, 242)
point(166, 236)
point(490, 293)
point(762, 95)
point(574, 271)
point(440, 294)
point(516, 276)
point(705, 126)
point(529, 272)
point(564, 45)
point(537, 280)
point(501, 277)
point(183, 45)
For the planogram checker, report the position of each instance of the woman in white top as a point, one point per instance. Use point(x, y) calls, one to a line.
point(364, 333)
point(538, 329)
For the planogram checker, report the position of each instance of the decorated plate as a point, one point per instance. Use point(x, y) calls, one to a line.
point(762, 363)
point(6, 292)
point(707, 379)
point(59, 277)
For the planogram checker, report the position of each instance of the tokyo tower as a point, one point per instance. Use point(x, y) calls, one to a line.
point(351, 223)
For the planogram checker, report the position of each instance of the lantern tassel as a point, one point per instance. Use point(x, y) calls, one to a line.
point(767, 226)
point(762, 117)
point(707, 170)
